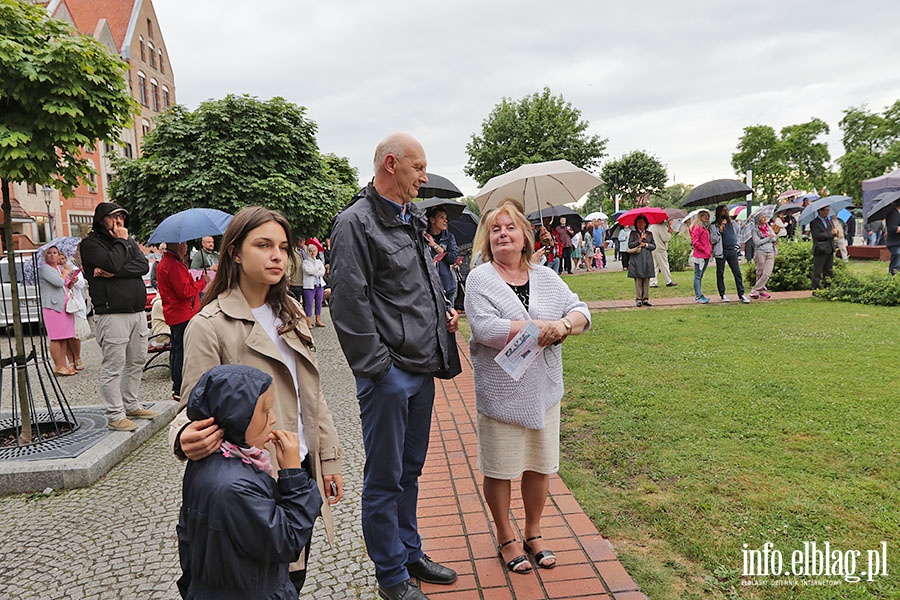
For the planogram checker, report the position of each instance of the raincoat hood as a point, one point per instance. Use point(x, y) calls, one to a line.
point(228, 393)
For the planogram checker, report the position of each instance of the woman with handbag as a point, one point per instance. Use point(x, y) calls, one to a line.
point(640, 263)
point(518, 420)
point(56, 281)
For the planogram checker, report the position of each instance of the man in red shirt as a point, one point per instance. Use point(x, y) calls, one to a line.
point(180, 295)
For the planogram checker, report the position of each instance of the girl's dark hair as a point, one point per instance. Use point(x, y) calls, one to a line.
point(642, 218)
point(722, 214)
point(228, 273)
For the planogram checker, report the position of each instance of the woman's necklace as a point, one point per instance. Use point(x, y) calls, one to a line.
point(511, 276)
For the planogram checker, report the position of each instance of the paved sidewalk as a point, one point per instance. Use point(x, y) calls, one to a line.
point(688, 300)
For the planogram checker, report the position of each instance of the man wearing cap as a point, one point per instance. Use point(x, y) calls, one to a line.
point(114, 267)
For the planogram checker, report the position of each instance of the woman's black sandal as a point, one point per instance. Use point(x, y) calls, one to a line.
point(541, 556)
point(511, 565)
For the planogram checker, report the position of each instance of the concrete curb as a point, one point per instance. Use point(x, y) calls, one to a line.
point(25, 476)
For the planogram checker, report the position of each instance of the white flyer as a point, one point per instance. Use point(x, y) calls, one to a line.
point(520, 351)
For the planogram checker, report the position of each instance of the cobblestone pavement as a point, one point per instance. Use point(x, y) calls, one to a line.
point(116, 539)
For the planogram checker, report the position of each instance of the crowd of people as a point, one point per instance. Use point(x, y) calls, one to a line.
point(262, 451)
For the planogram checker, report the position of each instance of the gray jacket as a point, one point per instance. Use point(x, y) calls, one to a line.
point(763, 244)
point(715, 238)
point(53, 288)
point(387, 302)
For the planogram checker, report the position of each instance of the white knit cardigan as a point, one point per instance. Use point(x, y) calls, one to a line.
point(490, 306)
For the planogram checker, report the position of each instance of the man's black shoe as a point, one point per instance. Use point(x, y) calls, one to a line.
point(430, 571)
point(405, 590)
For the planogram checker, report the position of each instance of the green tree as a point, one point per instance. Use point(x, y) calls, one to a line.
point(806, 158)
point(59, 93)
point(760, 148)
point(231, 153)
point(634, 176)
point(872, 145)
point(537, 128)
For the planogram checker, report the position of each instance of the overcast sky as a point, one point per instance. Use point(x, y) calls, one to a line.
point(678, 79)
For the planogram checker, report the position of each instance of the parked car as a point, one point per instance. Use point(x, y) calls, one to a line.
point(29, 304)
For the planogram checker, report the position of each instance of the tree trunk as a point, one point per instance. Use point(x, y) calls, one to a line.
point(19, 362)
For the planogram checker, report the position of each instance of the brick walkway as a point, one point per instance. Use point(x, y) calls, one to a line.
point(456, 524)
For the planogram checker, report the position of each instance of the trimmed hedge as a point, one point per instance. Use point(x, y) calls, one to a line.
point(793, 267)
point(879, 290)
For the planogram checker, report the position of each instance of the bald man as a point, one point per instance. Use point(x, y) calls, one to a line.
point(206, 257)
point(391, 317)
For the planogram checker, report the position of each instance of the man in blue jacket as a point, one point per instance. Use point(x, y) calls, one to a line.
point(391, 319)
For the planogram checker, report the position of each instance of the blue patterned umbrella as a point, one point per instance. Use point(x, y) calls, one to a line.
point(67, 245)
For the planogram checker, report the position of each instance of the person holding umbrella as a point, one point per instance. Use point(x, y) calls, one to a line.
point(443, 248)
point(764, 243)
point(725, 239)
point(823, 234)
point(640, 264)
point(180, 295)
point(892, 239)
point(56, 280)
point(701, 252)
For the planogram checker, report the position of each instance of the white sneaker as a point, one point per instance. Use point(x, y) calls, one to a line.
point(725, 298)
point(745, 299)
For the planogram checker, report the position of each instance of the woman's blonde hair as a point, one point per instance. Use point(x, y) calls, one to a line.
point(513, 208)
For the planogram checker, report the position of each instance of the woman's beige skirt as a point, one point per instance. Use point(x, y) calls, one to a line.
point(505, 451)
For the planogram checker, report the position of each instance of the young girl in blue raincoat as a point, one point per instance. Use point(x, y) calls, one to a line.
point(239, 528)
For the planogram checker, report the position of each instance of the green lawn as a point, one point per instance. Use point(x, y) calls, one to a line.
point(688, 432)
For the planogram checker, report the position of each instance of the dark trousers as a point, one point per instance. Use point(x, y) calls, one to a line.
point(396, 422)
point(731, 259)
point(822, 269)
point(624, 257)
point(176, 354)
point(567, 260)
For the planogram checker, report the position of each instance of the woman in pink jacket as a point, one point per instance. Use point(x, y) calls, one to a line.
point(702, 251)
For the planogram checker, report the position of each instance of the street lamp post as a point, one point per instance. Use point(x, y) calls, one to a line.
point(48, 198)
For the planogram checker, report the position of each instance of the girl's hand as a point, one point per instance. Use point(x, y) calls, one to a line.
point(287, 448)
point(334, 487)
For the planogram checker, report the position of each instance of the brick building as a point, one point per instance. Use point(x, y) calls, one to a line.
point(130, 29)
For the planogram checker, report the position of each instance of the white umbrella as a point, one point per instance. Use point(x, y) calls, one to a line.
point(596, 215)
point(538, 186)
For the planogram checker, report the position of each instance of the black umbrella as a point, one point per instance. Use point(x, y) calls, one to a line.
point(883, 204)
point(463, 228)
point(790, 207)
point(716, 191)
point(439, 187)
point(453, 208)
point(573, 219)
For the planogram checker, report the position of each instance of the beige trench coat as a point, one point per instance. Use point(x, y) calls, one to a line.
point(225, 332)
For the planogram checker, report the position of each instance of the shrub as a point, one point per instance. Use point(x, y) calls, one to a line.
point(793, 267)
point(880, 290)
point(679, 252)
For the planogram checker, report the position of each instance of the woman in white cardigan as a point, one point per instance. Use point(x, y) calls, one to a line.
point(518, 421)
